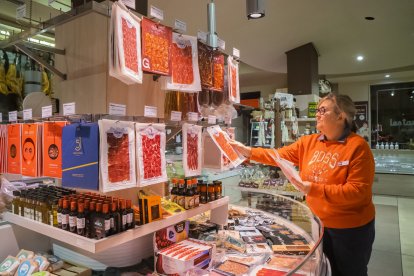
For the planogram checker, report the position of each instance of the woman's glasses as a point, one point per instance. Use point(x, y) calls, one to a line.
point(322, 110)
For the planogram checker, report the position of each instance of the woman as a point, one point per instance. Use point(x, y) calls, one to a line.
point(337, 171)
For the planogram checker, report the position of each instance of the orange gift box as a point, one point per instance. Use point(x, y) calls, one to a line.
point(31, 154)
point(14, 134)
point(52, 149)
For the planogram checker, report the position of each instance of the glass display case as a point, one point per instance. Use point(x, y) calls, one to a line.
point(394, 161)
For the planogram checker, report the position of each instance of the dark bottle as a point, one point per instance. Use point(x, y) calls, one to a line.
point(130, 215)
point(189, 195)
point(107, 219)
point(54, 205)
point(115, 219)
point(98, 222)
point(211, 193)
point(92, 212)
point(203, 193)
point(86, 212)
point(181, 193)
point(196, 193)
point(59, 212)
point(72, 217)
point(16, 203)
point(124, 215)
point(65, 215)
point(217, 189)
point(80, 220)
point(174, 190)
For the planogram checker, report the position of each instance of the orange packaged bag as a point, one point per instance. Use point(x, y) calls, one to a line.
point(52, 149)
point(31, 150)
point(14, 145)
point(156, 47)
point(233, 80)
point(218, 70)
point(205, 63)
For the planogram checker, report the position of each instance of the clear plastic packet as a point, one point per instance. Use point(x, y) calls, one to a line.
point(233, 80)
point(150, 151)
point(125, 45)
point(156, 47)
point(288, 169)
point(185, 75)
point(117, 155)
point(218, 71)
point(205, 63)
point(192, 155)
point(221, 139)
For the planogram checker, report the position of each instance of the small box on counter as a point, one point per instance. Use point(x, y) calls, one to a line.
point(291, 249)
point(149, 208)
point(9, 265)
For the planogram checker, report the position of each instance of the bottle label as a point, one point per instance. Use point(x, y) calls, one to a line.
point(181, 201)
point(124, 219)
point(59, 218)
point(38, 216)
point(51, 219)
point(174, 198)
point(189, 202)
point(196, 200)
point(72, 221)
point(20, 210)
point(112, 223)
point(129, 218)
point(107, 224)
point(65, 219)
point(80, 223)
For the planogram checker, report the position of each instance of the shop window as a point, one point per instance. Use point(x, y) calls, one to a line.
point(392, 113)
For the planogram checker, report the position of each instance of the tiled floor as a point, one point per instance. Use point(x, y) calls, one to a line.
point(393, 250)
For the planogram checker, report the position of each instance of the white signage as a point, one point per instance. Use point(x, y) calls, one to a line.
point(1, 117)
point(150, 111)
point(192, 116)
point(221, 44)
point(27, 114)
point(176, 116)
point(180, 26)
point(117, 109)
point(69, 109)
point(129, 3)
point(227, 120)
point(21, 11)
point(157, 13)
point(202, 36)
point(47, 111)
point(13, 116)
point(236, 53)
point(212, 120)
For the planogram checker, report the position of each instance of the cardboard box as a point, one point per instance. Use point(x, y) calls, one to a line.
point(52, 148)
point(31, 150)
point(14, 145)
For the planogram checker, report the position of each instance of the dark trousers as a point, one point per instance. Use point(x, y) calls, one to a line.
point(349, 250)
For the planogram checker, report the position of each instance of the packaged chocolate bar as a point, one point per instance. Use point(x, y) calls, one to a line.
point(24, 254)
point(42, 262)
point(244, 259)
point(254, 239)
point(232, 268)
point(27, 267)
point(9, 265)
point(265, 270)
point(236, 244)
point(291, 249)
point(258, 248)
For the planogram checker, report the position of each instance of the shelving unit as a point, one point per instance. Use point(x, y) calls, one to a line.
point(272, 191)
point(301, 120)
point(254, 135)
point(218, 215)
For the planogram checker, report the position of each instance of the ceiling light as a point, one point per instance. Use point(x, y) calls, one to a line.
point(369, 18)
point(255, 9)
point(387, 76)
point(360, 58)
point(392, 93)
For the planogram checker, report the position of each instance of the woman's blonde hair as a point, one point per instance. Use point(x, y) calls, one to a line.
point(343, 103)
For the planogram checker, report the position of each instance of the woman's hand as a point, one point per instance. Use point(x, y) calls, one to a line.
point(242, 149)
point(303, 186)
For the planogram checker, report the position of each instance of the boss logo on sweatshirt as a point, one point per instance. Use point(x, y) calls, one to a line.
point(321, 156)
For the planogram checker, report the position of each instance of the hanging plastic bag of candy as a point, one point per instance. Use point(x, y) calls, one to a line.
point(150, 142)
point(117, 155)
point(233, 80)
point(205, 63)
point(218, 71)
point(192, 155)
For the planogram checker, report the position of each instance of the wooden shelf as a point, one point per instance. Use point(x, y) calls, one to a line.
point(96, 246)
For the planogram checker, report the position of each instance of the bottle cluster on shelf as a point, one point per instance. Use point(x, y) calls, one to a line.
point(387, 146)
point(87, 214)
point(189, 193)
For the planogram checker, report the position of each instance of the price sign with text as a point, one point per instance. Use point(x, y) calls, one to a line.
point(13, 116)
point(27, 114)
point(157, 13)
point(176, 116)
point(150, 111)
point(117, 109)
point(69, 109)
point(212, 120)
point(192, 116)
point(47, 111)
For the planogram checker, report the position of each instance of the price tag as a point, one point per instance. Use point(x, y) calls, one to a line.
point(129, 3)
point(221, 44)
point(21, 11)
point(13, 116)
point(150, 111)
point(236, 52)
point(202, 36)
point(192, 116)
point(212, 120)
point(176, 116)
point(1, 117)
point(69, 109)
point(180, 26)
point(157, 13)
point(227, 120)
point(27, 114)
point(117, 109)
point(47, 111)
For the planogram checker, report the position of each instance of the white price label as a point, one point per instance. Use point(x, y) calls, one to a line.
point(221, 44)
point(157, 13)
point(227, 120)
point(236, 52)
point(180, 26)
point(69, 109)
point(176, 116)
point(50, 2)
point(212, 120)
point(117, 109)
point(150, 111)
point(202, 36)
point(27, 114)
point(1, 117)
point(129, 3)
point(192, 116)
point(13, 116)
point(47, 111)
point(21, 11)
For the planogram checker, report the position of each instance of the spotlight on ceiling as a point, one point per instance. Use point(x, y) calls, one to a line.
point(392, 93)
point(387, 75)
point(255, 9)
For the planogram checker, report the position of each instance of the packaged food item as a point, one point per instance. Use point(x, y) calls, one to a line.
point(169, 237)
point(205, 63)
point(41, 273)
point(185, 75)
point(26, 268)
point(156, 47)
point(291, 249)
point(80, 156)
point(234, 243)
point(3, 148)
point(268, 271)
point(218, 71)
point(192, 155)
point(42, 262)
point(170, 207)
point(52, 148)
point(233, 80)
point(24, 254)
point(14, 145)
point(9, 265)
point(125, 45)
point(283, 261)
point(233, 268)
point(31, 153)
point(117, 155)
point(150, 208)
point(55, 262)
point(245, 259)
point(150, 142)
point(258, 248)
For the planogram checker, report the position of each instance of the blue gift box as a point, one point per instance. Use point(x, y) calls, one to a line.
point(80, 156)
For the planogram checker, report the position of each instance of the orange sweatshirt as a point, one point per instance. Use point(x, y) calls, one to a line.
point(341, 173)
